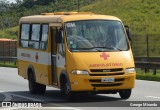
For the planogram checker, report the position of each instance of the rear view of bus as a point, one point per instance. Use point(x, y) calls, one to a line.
point(88, 53)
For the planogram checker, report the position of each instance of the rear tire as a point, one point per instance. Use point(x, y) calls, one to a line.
point(32, 84)
point(35, 88)
point(41, 89)
point(125, 94)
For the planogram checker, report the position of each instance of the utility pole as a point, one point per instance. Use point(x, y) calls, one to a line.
point(78, 5)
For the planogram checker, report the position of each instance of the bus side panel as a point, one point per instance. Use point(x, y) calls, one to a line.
point(41, 71)
point(22, 68)
point(40, 63)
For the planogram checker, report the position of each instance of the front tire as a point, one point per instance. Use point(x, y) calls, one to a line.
point(125, 94)
point(66, 90)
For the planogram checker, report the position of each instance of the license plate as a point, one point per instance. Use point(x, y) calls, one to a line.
point(107, 80)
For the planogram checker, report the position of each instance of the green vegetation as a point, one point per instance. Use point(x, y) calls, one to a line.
point(10, 13)
point(141, 75)
point(148, 76)
point(8, 64)
point(143, 16)
point(11, 33)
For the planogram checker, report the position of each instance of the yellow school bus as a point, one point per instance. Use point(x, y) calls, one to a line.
point(77, 52)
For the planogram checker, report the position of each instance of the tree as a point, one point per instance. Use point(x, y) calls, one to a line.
point(28, 3)
point(43, 2)
point(19, 2)
point(4, 5)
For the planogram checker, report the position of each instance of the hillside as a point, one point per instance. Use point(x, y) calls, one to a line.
point(143, 16)
point(11, 33)
point(10, 13)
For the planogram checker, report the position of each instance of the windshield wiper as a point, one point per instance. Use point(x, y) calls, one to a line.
point(108, 47)
point(99, 49)
point(84, 49)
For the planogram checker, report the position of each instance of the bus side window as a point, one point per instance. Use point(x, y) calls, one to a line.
point(24, 35)
point(44, 39)
point(35, 36)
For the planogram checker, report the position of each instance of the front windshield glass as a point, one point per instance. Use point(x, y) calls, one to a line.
point(96, 35)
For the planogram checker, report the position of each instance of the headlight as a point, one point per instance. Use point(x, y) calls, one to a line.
point(130, 70)
point(79, 72)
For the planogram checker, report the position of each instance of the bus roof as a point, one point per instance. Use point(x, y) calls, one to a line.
point(65, 17)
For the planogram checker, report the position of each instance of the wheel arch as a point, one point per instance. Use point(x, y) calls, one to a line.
point(63, 75)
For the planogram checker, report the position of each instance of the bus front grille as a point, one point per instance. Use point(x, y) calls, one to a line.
point(106, 85)
point(106, 72)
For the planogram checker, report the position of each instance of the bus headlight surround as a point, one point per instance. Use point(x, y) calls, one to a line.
point(130, 70)
point(84, 72)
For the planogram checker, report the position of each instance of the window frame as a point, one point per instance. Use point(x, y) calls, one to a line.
point(40, 41)
point(30, 36)
point(20, 38)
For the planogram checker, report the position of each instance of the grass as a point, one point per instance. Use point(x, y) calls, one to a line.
point(143, 16)
point(141, 75)
point(148, 76)
point(7, 64)
point(10, 33)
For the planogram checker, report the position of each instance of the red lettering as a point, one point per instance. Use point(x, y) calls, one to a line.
point(106, 65)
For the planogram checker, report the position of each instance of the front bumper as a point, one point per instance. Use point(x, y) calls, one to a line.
point(93, 83)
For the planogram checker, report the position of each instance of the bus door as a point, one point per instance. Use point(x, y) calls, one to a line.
point(54, 52)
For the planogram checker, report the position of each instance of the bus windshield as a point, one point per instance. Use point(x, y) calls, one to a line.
point(96, 35)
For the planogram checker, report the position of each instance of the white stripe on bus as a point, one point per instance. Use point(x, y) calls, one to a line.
point(30, 56)
point(44, 58)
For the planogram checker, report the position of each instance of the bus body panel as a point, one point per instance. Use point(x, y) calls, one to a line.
point(27, 60)
point(93, 61)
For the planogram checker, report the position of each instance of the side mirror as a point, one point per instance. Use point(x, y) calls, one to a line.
point(128, 31)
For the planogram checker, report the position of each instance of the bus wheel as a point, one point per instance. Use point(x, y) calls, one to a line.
point(35, 88)
point(65, 89)
point(125, 94)
point(41, 89)
point(32, 84)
